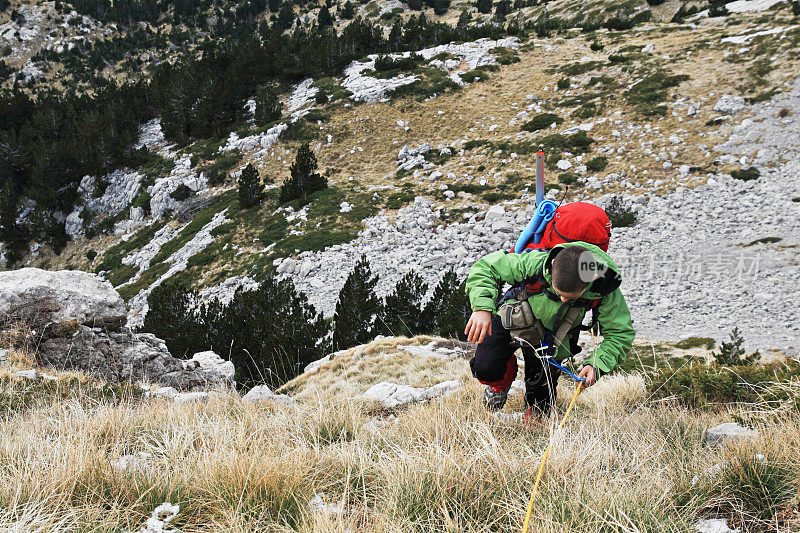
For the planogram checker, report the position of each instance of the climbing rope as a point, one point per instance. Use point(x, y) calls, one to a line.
point(547, 453)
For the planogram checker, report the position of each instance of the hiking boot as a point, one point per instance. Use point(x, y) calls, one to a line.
point(535, 418)
point(494, 399)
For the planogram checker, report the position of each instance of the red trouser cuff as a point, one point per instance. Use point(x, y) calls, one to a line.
point(508, 377)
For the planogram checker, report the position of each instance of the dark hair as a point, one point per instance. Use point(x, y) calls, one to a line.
point(566, 270)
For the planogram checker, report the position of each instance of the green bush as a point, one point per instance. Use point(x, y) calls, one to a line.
point(181, 193)
point(647, 95)
point(597, 164)
point(568, 178)
point(747, 174)
point(563, 83)
point(698, 386)
point(541, 122)
point(595, 46)
point(696, 342)
point(619, 215)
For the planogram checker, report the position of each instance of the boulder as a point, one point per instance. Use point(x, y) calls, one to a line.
point(118, 356)
point(211, 362)
point(730, 431)
point(263, 393)
point(79, 322)
point(45, 299)
point(729, 104)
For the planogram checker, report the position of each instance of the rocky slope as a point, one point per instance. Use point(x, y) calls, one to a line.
point(435, 181)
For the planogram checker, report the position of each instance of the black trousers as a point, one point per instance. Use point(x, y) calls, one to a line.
point(492, 365)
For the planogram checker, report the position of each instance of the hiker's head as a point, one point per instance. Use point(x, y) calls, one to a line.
point(573, 269)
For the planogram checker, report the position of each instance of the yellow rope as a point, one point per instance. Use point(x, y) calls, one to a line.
point(544, 459)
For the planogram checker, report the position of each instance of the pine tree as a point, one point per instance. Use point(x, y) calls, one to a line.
point(286, 16)
point(402, 309)
point(484, 6)
point(274, 5)
point(304, 180)
point(501, 10)
point(171, 317)
point(357, 308)
point(448, 310)
point(324, 18)
point(268, 106)
point(13, 236)
point(440, 7)
point(349, 11)
point(464, 18)
point(270, 333)
point(416, 5)
point(251, 190)
point(733, 354)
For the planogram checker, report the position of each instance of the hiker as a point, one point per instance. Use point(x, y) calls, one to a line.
point(559, 286)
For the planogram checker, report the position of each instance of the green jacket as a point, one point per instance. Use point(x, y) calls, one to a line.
point(488, 273)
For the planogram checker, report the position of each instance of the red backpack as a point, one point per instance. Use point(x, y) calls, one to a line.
point(578, 221)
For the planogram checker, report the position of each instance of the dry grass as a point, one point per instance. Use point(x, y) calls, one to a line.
point(620, 464)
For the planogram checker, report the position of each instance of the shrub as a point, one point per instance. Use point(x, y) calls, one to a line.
point(618, 23)
point(401, 312)
point(357, 308)
point(748, 174)
point(251, 190)
point(695, 342)
point(716, 8)
point(440, 7)
point(90, 255)
point(732, 354)
point(563, 83)
point(181, 192)
point(684, 12)
point(568, 178)
point(172, 317)
point(796, 8)
point(619, 215)
point(654, 3)
point(304, 180)
point(597, 164)
point(384, 63)
point(647, 95)
point(542, 121)
point(595, 46)
point(697, 386)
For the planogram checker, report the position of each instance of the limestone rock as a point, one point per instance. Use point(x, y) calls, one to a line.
point(263, 393)
point(44, 298)
point(394, 395)
point(730, 431)
point(714, 525)
point(211, 362)
point(729, 104)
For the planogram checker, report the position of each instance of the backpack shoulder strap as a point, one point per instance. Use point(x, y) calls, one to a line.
point(565, 324)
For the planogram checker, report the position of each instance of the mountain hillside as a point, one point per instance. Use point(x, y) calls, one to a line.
point(680, 118)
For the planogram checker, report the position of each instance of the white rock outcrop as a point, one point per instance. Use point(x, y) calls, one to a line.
point(47, 297)
point(730, 431)
point(394, 395)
